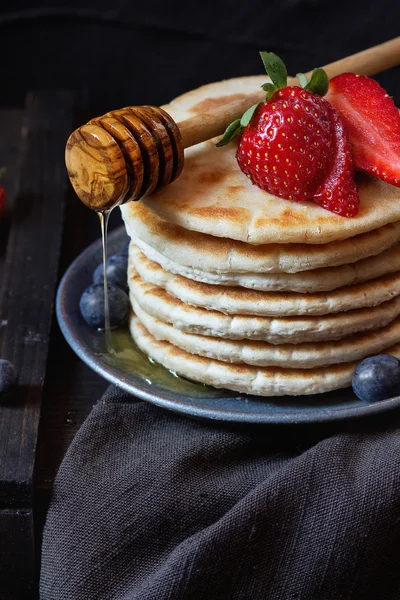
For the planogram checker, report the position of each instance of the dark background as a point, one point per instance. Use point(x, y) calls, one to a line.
point(119, 52)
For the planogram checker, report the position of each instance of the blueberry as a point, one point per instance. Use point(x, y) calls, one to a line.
point(377, 378)
point(8, 375)
point(117, 271)
point(92, 305)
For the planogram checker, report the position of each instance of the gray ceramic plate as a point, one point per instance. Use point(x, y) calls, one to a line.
point(148, 381)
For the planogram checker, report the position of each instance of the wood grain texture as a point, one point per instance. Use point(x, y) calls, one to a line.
point(71, 388)
point(17, 553)
point(148, 147)
point(10, 128)
point(175, 139)
point(70, 392)
point(162, 140)
point(368, 62)
point(28, 284)
point(96, 167)
point(130, 150)
point(213, 123)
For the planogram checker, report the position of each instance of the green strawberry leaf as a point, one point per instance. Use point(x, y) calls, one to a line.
point(246, 117)
point(230, 132)
point(318, 83)
point(270, 88)
point(275, 69)
point(302, 79)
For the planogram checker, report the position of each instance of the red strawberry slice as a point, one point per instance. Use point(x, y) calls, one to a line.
point(372, 123)
point(295, 147)
point(338, 192)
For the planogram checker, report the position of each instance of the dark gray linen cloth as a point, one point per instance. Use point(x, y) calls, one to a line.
point(149, 505)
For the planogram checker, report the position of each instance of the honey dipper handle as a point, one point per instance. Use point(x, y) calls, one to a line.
point(208, 125)
point(129, 153)
point(368, 62)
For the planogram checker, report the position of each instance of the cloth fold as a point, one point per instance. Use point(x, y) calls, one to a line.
point(148, 505)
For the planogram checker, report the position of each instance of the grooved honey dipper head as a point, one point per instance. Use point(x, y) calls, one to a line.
point(124, 155)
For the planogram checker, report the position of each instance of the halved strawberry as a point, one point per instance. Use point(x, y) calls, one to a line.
point(294, 144)
point(338, 192)
point(372, 123)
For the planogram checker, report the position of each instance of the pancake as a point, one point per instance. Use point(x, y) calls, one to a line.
point(213, 196)
point(261, 381)
point(192, 319)
point(262, 354)
point(235, 300)
point(221, 255)
point(207, 97)
point(319, 280)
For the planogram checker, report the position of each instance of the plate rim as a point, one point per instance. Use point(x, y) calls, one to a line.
point(310, 416)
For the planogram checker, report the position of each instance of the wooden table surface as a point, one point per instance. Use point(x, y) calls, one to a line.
point(46, 227)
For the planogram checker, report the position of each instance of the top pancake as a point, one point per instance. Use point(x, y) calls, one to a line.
point(213, 196)
point(221, 255)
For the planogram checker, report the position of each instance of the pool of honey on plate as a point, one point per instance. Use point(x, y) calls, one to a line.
point(122, 353)
point(128, 358)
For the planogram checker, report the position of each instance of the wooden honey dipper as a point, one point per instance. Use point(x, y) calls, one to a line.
point(129, 153)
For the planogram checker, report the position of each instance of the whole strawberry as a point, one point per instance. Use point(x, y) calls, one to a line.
point(294, 145)
point(3, 200)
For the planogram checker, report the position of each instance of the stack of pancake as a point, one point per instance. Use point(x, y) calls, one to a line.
point(238, 289)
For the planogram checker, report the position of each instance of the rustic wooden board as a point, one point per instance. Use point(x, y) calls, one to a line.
point(53, 382)
point(71, 388)
point(10, 156)
point(18, 578)
point(28, 283)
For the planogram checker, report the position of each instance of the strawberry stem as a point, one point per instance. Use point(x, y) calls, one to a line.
point(275, 68)
point(318, 83)
point(276, 71)
point(246, 117)
point(230, 132)
point(270, 88)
